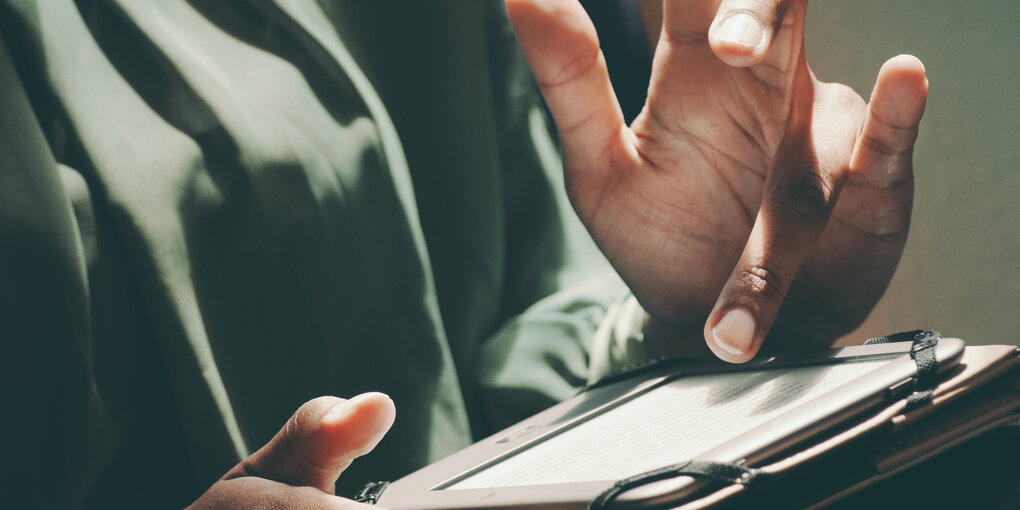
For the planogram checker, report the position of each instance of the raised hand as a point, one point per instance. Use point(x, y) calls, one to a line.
point(748, 196)
point(298, 468)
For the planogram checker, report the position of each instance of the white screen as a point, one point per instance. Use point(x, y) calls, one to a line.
point(669, 424)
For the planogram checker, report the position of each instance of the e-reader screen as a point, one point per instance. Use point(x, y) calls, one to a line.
point(678, 420)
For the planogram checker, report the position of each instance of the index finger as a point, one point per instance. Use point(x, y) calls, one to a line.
point(800, 194)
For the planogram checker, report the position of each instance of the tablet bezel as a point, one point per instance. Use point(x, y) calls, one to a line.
point(422, 490)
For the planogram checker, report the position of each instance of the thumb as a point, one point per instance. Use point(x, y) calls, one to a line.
point(320, 440)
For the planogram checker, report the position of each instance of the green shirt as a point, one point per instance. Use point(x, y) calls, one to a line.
point(211, 212)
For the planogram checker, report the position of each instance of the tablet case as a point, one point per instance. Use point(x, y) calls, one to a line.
point(983, 393)
point(930, 416)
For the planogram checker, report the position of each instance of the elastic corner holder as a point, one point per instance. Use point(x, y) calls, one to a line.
point(370, 492)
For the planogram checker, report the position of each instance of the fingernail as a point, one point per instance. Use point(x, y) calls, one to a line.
point(735, 331)
point(741, 29)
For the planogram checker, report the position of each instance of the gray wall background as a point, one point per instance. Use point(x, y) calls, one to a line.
point(959, 273)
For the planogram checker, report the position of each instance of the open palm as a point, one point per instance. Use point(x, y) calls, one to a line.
point(747, 197)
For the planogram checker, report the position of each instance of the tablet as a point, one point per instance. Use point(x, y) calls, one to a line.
point(567, 455)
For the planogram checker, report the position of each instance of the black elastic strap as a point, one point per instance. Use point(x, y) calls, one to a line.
point(922, 351)
point(370, 492)
point(905, 336)
point(923, 354)
point(722, 471)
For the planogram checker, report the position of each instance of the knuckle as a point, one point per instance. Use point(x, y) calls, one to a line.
point(574, 68)
point(311, 410)
point(765, 8)
point(881, 147)
point(807, 196)
point(303, 420)
point(881, 117)
point(298, 423)
point(761, 282)
point(685, 36)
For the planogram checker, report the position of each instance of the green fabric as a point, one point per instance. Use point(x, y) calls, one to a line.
point(211, 212)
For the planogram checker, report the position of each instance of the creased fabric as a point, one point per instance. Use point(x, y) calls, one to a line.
point(213, 211)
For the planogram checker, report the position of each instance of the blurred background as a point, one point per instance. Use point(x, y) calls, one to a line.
point(959, 273)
